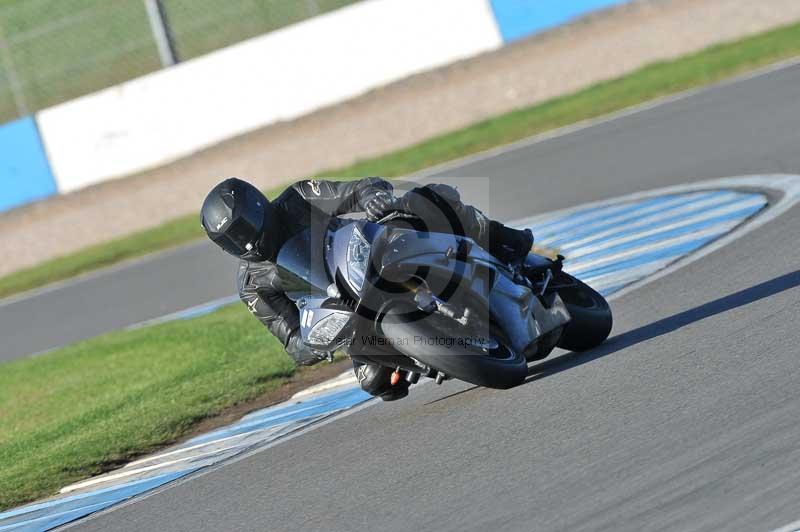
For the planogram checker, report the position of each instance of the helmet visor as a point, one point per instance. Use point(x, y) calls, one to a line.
point(241, 237)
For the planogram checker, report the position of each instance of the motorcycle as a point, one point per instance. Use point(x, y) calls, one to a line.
point(434, 304)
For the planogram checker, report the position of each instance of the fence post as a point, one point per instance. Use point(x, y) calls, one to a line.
point(13, 79)
point(161, 32)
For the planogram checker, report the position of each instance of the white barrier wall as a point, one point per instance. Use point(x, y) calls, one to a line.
point(282, 75)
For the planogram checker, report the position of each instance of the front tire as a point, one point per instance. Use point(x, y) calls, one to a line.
point(591, 316)
point(499, 368)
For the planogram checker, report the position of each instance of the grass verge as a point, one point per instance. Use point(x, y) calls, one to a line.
point(90, 407)
point(659, 79)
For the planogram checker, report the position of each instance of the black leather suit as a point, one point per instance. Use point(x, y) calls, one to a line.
point(314, 202)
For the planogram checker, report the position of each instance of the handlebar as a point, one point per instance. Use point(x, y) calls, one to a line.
point(397, 214)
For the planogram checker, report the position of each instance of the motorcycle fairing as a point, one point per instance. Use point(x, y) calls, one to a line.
point(486, 281)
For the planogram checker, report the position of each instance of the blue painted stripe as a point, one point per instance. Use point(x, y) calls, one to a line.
point(625, 275)
point(519, 18)
point(576, 221)
point(672, 233)
point(546, 222)
point(50, 514)
point(576, 218)
point(693, 206)
point(55, 519)
point(555, 224)
point(321, 406)
point(25, 173)
point(626, 230)
point(676, 251)
point(611, 289)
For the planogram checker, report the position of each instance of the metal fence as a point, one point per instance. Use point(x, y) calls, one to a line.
point(56, 50)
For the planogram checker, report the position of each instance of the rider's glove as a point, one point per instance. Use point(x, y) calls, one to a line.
point(302, 354)
point(378, 204)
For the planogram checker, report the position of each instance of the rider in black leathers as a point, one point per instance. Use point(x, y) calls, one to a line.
point(238, 218)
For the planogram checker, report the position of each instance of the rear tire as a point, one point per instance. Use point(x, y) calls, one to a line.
point(591, 316)
point(501, 368)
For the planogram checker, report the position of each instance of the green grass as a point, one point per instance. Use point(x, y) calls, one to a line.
point(59, 50)
point(656, 80)
point(83, 409)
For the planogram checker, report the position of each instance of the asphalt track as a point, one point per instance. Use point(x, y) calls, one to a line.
point(746, 127)
point(685, 420)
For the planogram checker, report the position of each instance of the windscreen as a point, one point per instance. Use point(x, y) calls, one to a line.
point(301, 264)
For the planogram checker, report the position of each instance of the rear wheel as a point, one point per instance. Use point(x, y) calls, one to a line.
point(438, 342)
point(591, 316)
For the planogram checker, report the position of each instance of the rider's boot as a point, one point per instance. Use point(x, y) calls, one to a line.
point(509, 245)
point(376, 381)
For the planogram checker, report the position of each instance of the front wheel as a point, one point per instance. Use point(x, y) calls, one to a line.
point(591, 316)
point(439, 344)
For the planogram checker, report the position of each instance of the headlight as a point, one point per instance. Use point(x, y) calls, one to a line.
point(326, 329)
point(357, 258)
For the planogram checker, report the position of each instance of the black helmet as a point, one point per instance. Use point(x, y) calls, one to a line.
point(236, 216)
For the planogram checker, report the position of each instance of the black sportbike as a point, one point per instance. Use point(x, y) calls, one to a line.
point(434, 304)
